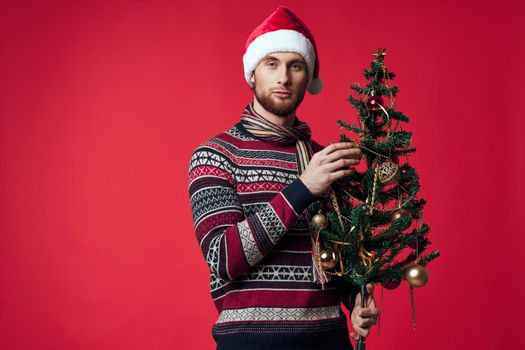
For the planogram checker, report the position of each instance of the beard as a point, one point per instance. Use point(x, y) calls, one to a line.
point(279, 107)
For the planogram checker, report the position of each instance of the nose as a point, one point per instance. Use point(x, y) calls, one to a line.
point(283, 75)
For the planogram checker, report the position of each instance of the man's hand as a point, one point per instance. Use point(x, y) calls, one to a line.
point(329, 165)
point(363, 318)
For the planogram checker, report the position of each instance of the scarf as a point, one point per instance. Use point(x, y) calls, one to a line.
point(300, 134)
point(267, 131)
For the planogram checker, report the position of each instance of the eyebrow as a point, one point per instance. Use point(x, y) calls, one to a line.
point(297, 60)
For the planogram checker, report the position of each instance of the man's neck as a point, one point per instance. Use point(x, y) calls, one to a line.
point(276, 119)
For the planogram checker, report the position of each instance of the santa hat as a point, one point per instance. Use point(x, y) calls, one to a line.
point(283, 31)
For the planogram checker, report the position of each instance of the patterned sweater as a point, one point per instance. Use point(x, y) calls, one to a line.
point(251, 213)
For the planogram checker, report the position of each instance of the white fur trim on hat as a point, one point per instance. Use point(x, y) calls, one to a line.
point(283, 40)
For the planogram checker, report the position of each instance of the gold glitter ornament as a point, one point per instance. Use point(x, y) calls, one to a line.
point(379, 54)
point(388, 172)
point(416, 276)
point(328, 259)
point(319, 221)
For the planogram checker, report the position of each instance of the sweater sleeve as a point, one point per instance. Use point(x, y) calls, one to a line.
point(348, 298)
point(230, 241)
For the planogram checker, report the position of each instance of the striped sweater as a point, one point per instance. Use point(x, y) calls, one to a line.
point(250, 213)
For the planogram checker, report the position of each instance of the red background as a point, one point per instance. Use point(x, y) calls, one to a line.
point(102, 103)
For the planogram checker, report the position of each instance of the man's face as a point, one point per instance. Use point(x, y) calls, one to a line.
point(280, 82)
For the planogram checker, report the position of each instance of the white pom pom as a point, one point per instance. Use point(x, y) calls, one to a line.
point(315, 87)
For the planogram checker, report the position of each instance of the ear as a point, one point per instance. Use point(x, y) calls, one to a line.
point(252, 79)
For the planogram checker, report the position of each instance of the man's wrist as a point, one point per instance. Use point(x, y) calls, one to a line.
point(298, 195)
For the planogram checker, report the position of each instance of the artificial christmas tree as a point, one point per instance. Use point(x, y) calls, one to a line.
point(370, 228)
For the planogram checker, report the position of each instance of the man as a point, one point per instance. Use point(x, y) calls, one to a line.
point(253, 189)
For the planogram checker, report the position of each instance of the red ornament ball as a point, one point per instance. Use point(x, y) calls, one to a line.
point(392, 284)
point(373, 103)
point(417, 243)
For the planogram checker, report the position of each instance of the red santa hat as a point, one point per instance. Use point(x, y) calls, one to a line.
point(283, 31)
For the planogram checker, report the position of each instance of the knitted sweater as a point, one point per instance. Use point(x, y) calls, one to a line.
point(251, 213)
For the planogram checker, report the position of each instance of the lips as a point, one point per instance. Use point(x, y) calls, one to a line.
point(282, 93)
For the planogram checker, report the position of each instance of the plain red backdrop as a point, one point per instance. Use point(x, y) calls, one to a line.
point(102, 103)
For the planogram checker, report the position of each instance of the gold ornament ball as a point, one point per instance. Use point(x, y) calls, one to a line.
point(401, 213)
point(388, 172)
point(328, 259)
point(417, 276)
point(319, 221)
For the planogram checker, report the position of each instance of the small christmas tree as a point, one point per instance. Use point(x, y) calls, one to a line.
point(370, 229)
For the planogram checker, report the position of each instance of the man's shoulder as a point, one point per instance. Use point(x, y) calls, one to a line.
point(231, 137)
point(219, 149)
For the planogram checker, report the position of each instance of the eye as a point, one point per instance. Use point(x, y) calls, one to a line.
point(297, 67)
point(271, 64)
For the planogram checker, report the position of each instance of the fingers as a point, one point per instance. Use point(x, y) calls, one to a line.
point(364, 317)
point(362, 328)
point(368, 312)
point(334, 147)
point(329, 165)
point(366, 324)
point(341, 163)
point(336, 175)
point(346, 153)
point(360, 332)
point(338, 145)
point(363, 320)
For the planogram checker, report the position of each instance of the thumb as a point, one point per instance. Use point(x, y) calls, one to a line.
point(354, 336)
point(370, 288)
point(369, 293)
